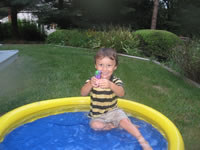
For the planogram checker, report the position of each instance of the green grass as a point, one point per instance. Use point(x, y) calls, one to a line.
point(44, 72)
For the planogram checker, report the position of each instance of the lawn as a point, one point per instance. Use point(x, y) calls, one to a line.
point(44, 72)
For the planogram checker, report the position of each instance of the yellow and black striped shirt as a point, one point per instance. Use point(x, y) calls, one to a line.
point(103, 100)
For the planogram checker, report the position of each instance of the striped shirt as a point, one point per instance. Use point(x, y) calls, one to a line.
point(103, 100)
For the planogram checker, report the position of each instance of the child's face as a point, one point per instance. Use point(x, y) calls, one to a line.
point(107, 66)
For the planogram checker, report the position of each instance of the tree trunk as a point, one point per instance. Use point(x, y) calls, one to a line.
point(14, 24)
point(155, 14)
point(60, 4)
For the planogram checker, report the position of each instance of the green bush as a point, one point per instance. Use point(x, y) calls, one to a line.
point(5, 31)
point(157, 43)
point(119, 38)
point(29, 31)
point(69, 37)
point(57, 37)
point(151, 43)
point(77, 38)
point(186, 59)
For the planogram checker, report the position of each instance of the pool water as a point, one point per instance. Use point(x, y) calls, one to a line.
point(71, 131)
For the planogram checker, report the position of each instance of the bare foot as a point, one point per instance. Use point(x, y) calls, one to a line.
point(145, 145)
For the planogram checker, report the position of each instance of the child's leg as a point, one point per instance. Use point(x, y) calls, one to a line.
point(101, 125)
point(133, 130)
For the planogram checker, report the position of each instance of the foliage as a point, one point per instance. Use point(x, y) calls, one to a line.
point(3, 12)
point(57, 37)
point(186, 59)
point(27, 31)
point(187, 16)
point(119, 38)
point(87, 14)
point(18, 3)
point(47, 15)
point(5, 31)
point(14, 7)
point(162, 45)
point(176, 16)
point(77, 38)
point(157, 43)
point(180, 17)
point(90, 14)
point(74, 37)
point(150, 43)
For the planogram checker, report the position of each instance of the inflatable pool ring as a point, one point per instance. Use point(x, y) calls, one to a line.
point(34, 111)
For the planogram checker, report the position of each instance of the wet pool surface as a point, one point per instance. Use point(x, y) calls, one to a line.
point(71, 131)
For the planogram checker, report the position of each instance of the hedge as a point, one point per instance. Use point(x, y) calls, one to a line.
point(157, 43)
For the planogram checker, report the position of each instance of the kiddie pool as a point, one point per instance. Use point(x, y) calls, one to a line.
point(34, 111)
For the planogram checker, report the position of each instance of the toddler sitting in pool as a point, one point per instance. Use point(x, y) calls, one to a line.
point(104, 112)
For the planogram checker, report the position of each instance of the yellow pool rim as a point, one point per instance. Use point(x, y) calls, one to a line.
point(33, 111)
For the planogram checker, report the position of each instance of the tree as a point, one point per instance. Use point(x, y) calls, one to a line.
point(155, 14)
point(14, 7)
point(54, 11)
point(60, 4)
point(180, 17)
point(96, 14)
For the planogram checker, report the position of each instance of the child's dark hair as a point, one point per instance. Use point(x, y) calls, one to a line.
point(106, 52)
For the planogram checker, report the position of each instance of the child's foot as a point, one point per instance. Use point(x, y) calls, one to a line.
point(145, 145)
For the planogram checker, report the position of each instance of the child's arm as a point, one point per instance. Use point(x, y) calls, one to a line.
point(118, 90)
point(85, 90)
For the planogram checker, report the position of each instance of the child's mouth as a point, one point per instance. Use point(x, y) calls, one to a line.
point(104, 75)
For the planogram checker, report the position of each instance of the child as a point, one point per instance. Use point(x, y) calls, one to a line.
point(104, 112)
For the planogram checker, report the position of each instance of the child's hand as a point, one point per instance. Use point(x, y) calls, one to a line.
point(94, 82)
point(104, 83)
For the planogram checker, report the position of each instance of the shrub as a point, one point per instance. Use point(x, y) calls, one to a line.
point(143, 42)
point(77, 38)
point(5, 31)
point(187, 60)
point(57, 37)
point(157, 43)
point(29, 31)
point(69, 37)
point(119, 38)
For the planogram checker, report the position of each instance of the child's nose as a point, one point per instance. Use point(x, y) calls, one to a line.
point(104, 68)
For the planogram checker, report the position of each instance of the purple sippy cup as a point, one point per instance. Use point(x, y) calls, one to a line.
point(98, 74)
